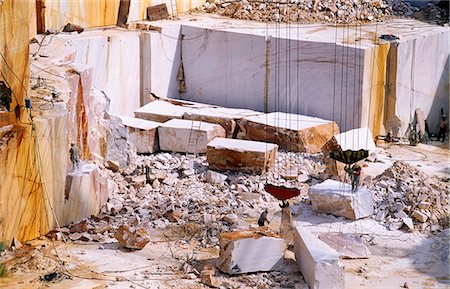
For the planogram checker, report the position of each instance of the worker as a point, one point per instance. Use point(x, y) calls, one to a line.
point(263, 219)
point(354, 173)
point(443, 128)
point(74, 156)
point(5, 95)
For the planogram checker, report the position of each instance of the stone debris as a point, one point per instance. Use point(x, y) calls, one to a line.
point(337, 198)
point(131, 237)
point(207, 276)
point(247, 156)
point(252, 250)
point(319, 263)
point(179, 135)
point(292, 132)
point(403, 193)
point(323, 11)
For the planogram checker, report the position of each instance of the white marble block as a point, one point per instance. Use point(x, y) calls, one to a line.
point(356, 139)
point(142, 133)
point(337, 198)
point(85, 193)
point(291, 132)
point(319, 263)
point(161, 111)
point(187, 136)
point(251, 250)
point(241, 155)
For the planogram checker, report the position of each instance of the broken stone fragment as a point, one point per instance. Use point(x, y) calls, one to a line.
point(207, 276)
point(131, 237)
point(113, 165)
point(337, 198)
point(319, 263)
point(409, 223)
point(251, 250)
point(419, 216)
point(213, 177)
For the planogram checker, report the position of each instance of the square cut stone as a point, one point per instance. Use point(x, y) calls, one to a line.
point(187, 136)
point(161, 111)
point(142, 133)
point(337, 198)
point(319, 263)
point(225, 154)
point(226, 117)
point(251, 250)
point(291, 132)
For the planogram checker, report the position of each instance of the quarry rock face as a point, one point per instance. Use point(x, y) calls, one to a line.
point(250, 251)
point(319, 263)
point(292, 132)
point(131, 237)
point(241, 155)
point(337, 198)
point(179, 135)
point(143, 134)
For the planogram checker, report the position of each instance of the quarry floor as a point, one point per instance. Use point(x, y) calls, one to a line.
point(399, 259)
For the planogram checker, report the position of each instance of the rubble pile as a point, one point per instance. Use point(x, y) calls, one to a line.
point(312, 11)
point(181, 192)
point(405, 195)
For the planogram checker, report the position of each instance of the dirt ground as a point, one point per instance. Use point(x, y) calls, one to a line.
point(173, 259)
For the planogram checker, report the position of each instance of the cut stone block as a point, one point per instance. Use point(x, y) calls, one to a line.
point(143, 134)
point(187, 136)
point(319, 263)
point(161, 111)
point(337, 198)
point(241, 155)
point(349, 246)
point(85, 192)
point(251, 250)
point(356, 139)
point(226, 117)
point(291, 132)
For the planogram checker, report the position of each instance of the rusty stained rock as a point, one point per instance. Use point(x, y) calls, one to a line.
point(131, 237)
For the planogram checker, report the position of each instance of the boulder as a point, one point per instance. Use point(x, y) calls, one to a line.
point(337, 198)
point(213, 177)
point(131, 237)
point(187, 136)
point(241, 155)
point(292, 132)
point(251, 250)
point(319, 263)
point(143, 134)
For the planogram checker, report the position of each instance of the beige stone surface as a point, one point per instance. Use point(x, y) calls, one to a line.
point(241, 155)
point(337, 198)
point(85, 193)
point(161, 111)
point(290, 131)
point(250, 251)
point(319, 263)
point(142, 133)
point(226, 117)
point(189, 136)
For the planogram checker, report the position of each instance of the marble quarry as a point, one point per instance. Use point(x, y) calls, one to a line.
point(96, 89)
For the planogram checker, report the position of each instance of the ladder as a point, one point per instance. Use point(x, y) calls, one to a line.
point(193, 137)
